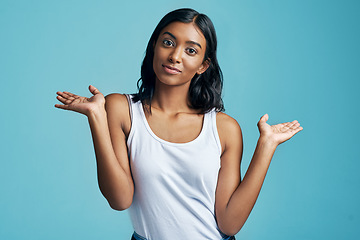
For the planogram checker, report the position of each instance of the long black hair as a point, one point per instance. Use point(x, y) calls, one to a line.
point(205, 89)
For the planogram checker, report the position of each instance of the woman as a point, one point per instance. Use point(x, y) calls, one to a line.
point(169, 151)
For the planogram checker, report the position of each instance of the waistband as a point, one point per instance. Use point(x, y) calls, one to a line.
point(136, 236)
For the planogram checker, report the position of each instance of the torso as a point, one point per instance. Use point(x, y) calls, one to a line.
point(185, 127)
point(175, 174)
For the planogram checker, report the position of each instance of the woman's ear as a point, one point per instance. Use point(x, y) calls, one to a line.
point(204, 66)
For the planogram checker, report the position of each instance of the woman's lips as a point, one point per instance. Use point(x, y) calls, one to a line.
point(171, 70)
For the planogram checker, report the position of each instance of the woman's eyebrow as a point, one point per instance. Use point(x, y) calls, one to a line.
point(192, 42)
point(170, 35)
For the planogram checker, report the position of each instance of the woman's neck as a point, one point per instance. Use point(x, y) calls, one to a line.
point(172, 99)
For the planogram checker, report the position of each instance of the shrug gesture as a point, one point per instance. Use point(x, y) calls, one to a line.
point(80, 104)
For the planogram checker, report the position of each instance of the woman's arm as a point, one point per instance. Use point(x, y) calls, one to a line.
point(235, 199)
point(109, 120)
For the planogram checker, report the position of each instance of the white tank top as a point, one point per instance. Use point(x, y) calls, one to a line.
point(175, 183)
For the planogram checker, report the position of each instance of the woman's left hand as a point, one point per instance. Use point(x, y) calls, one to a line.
point(278, 133)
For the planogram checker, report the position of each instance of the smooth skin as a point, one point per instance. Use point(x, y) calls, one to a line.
point(173, 120)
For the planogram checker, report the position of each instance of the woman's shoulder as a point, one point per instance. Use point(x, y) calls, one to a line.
point(116, 98)
point(226, 122)
point(229, 130)
point(118, 111)
point(116, 102)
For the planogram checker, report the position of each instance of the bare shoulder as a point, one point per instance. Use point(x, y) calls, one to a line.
point(116, 99)
point(225, 121)
point(118, 112)
point(227, 125)
point(229, 130)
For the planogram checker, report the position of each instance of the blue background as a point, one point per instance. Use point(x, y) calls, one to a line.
point(290, 59)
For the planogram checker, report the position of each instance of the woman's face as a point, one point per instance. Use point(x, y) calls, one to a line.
point(179, 54)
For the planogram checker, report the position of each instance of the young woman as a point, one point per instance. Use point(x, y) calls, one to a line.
point(169, 151)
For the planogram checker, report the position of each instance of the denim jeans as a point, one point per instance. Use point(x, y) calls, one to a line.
point(136, 236)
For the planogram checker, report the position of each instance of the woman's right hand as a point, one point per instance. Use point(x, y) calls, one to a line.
point(80, 104)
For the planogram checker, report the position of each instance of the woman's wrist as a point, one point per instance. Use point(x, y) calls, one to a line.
point(267, 141)
point(264, 151)
point(96, 112)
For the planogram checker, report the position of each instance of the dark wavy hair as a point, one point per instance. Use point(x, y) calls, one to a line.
point(205, 89)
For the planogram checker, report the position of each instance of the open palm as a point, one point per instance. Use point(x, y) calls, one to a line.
point(81, 104)
point(278, 133)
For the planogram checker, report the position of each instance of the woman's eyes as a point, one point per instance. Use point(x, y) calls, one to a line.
point(170, 43)
point(167, 42)
point(191, 51)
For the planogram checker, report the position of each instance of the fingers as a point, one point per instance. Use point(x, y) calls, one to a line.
point(64, 98)
point(93, 90)
point(69, 100)
point(264, 118)
point(67, 95)
point(65, 107)
point(294, 127)
point(290, 125)
point(298, 129)
point(294, 124)
point(70, 94)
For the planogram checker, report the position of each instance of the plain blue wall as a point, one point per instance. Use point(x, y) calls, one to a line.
point(291, 59)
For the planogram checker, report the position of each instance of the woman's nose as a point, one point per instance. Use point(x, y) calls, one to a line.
point(175, 56)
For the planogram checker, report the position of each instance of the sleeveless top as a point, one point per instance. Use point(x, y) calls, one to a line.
point(174, 183)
